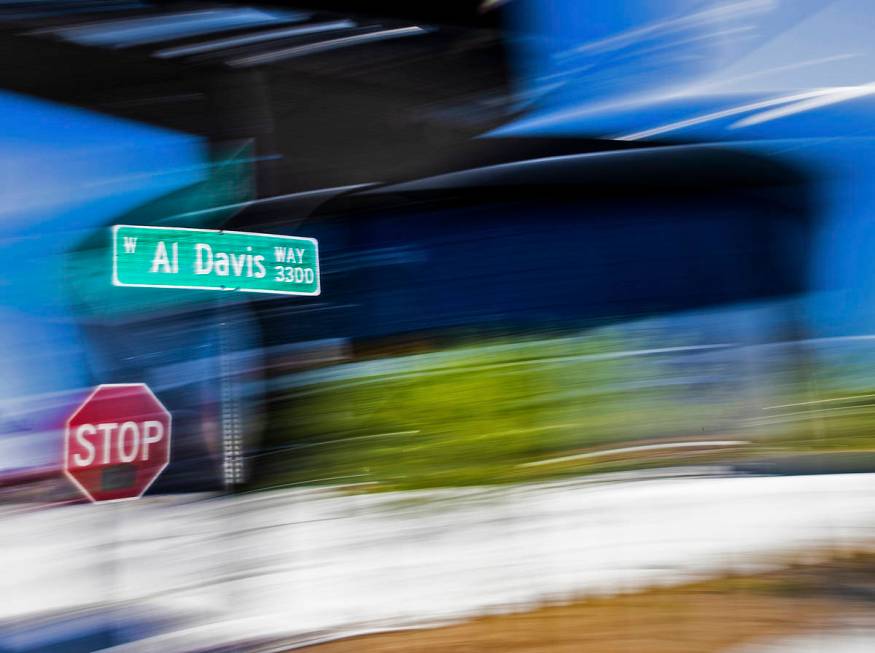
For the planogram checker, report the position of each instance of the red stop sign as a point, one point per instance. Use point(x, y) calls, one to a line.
point(117, 442)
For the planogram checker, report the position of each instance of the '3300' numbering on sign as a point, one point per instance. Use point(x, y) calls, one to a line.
point(286, 274)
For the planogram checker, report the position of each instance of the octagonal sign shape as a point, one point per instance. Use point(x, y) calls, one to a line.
point(117, 442)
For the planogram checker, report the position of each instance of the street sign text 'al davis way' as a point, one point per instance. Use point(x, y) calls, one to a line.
point(204, 259)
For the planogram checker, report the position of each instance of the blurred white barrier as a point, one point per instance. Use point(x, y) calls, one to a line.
point(846, 640)
point(301, 562)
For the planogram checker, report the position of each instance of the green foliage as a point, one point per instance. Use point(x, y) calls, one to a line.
point(473, 415)
point(478, 415)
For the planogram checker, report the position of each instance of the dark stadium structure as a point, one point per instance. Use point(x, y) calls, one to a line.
point(370, 134)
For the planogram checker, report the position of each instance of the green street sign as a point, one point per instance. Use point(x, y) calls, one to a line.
point(206, 259)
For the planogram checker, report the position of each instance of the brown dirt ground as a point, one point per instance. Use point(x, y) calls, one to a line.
point(697, 618)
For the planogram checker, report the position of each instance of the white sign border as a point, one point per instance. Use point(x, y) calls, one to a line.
point(118, 282)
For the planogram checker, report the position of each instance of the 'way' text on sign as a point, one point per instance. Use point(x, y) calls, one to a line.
point(204, 259)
